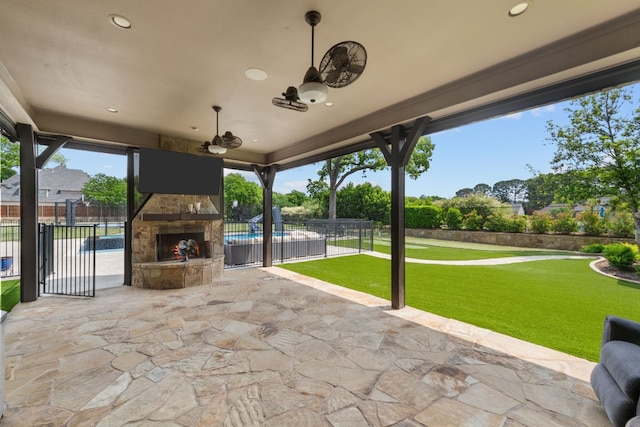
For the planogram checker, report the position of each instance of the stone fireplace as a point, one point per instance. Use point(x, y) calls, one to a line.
point(157, 230)
point(170, 245)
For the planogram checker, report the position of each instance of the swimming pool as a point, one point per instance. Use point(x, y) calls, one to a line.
point(246, 236)
point(104, 243)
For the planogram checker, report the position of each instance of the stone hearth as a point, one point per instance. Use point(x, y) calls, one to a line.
point(167, 214)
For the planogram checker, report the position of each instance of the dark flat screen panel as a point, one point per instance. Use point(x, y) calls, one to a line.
point(171, 172)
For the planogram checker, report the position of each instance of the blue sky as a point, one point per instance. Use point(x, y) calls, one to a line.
point(486, 152)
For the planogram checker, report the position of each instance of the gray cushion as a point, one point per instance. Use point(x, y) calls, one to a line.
point(622, 360)
point(618, 406)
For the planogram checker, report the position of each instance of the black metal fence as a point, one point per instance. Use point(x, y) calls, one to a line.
point(9, 248)
point(67, 260)
point(109, 235)
point(311, 239)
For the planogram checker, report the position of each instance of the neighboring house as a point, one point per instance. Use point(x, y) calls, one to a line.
point(56, 186)
point(552, 208)
point(517, 209)
point(601, 208)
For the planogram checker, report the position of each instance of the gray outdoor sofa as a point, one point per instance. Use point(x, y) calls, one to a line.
point(616, 379)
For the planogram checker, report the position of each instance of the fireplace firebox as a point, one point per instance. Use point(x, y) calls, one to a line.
point(169, 246)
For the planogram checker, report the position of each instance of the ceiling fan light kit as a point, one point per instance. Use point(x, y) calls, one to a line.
point(312, 90)
point(340, 66)
point(216, 149)
point(220, 144)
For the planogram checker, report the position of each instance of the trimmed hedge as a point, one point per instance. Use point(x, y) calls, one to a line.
point(429, 216)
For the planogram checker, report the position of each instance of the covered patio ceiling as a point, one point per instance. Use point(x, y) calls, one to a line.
point(64, 64)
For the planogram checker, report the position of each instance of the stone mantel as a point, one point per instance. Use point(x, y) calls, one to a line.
point(178, 216)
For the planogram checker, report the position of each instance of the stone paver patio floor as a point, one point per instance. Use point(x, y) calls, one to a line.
point(268, 347)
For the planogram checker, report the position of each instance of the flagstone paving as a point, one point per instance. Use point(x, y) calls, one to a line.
point(269, 347)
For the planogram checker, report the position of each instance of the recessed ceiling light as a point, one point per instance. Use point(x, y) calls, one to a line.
point(195, 128)
point(120, 21)
point(519, 8)
point(256, 74)
point(112, 110)
point(328, 104)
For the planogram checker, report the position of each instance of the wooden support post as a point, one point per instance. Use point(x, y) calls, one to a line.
point(397, 151)
point(29, 267)
point(266, 175)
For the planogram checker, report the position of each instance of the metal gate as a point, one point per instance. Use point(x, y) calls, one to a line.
point(67, 260)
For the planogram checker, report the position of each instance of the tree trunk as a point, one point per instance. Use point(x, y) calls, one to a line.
point(332, 200)
point(333, 187)
point(636, 219)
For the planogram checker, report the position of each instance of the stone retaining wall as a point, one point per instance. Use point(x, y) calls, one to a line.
point(525, 240)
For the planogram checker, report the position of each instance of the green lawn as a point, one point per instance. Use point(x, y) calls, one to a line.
point(450, 253)
point(10, 295)
point(559, 304)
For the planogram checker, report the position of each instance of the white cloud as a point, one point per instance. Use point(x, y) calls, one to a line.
point(514, 116)
point(541, 111)
point(288, 186)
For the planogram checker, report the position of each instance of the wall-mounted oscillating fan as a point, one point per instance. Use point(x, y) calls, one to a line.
point(343, 64)
point(229, 140)
point(290, 100)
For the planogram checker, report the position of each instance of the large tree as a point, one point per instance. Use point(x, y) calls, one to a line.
point(107, 190)
point(509, 191)
point(539, 192)
point(244, 193)
point(482, 188)
point(291, 199)
point(10, 158)
point(366, 202)
point(338, 169)
point(599, 150)
point(464, 192)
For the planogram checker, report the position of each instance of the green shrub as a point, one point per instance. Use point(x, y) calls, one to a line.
point(592, 224)
point(501, 223)
point(620, 224)
point(496, 223)
point(481, 204)
point(564, 223)
point(429, 216)
point(517, 224)
point(593, 248)
point(473, 221)
point(621, 255)
point(540, 223)
point(453, 219)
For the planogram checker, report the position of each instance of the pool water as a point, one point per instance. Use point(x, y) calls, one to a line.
point(105, 243)
point(246, 236)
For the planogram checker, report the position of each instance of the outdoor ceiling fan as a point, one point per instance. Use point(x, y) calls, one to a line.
point(341, 65)
point(220, 144)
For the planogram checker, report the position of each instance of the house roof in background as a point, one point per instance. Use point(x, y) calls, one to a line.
point(56, 185)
